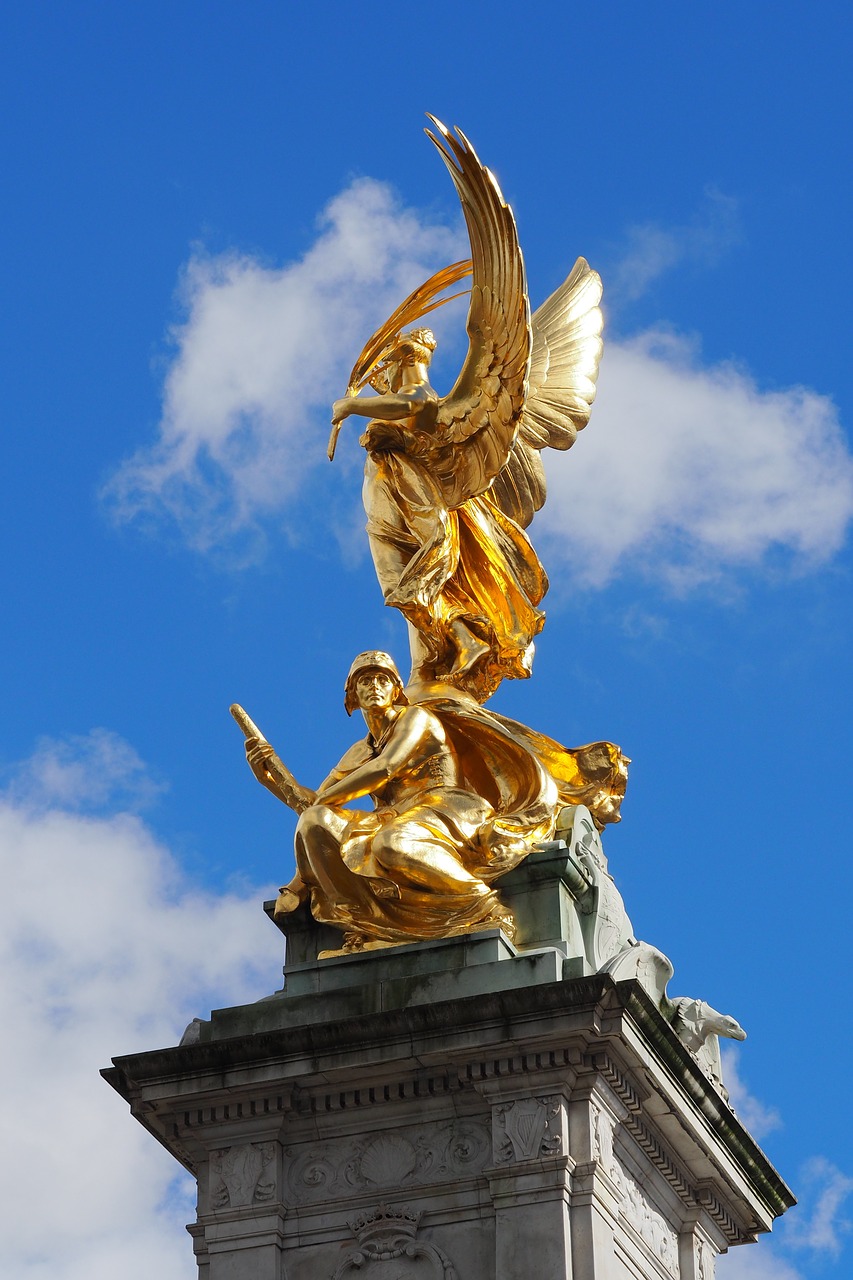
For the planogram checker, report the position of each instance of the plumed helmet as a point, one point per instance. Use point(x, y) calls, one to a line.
point(371, 660)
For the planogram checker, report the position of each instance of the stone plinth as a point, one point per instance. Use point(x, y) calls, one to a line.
point(458, 1110)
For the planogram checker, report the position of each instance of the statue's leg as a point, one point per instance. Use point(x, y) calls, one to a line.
point(318, 818)
point(339, 895)
point(409, 849)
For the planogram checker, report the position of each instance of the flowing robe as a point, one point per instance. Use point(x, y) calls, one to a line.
point(468, 795)
point(437, 565)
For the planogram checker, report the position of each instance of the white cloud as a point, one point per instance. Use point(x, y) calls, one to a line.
point(83, 772)
point(262, 354)
point(822, 1224)
point(758, 1261)
point(752, 1113)
point(817, 1225)
point(686, 473)
point(105, 949)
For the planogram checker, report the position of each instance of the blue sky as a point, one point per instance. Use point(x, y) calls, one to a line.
point(206, 209)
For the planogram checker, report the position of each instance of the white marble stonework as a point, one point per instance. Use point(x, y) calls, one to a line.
point(459, 1110)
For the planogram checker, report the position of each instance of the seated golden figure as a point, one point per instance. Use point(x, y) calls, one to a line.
point(460, 794)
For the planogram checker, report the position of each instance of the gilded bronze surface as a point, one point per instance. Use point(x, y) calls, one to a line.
point(452, 482)
point(460, 794)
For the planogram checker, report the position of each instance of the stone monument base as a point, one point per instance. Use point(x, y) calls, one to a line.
point(457, 1110)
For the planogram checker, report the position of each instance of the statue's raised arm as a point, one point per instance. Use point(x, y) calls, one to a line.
point(451, 482)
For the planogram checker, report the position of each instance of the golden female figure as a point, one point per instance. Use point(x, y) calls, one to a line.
point(452, 482)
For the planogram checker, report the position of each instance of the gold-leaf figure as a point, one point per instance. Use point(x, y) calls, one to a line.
point(452, 482)
point(460, 795)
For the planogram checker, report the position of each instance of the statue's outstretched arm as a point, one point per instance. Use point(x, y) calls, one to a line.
point(403, 750)
point(406, 403)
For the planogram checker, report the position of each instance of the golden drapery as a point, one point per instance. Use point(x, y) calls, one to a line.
point(437, 565)
point(511, 784)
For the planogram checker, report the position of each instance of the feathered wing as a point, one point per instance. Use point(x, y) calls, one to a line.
point(477, 422)
point(566, 351)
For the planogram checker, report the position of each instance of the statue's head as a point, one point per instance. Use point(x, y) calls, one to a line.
point(372, 660)
point(406, 350)
point(415, 347)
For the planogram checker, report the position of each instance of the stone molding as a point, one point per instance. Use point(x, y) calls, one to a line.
point(568, 1112)
point(448, 1080)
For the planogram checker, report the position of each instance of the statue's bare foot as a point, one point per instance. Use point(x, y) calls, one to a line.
point(289, 898)
point(500, 917)
point(354, 944)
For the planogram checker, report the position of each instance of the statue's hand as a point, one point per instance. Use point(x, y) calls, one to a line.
point(340, 410)
point(258, 752)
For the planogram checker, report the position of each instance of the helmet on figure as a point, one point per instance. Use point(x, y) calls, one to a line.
point(372, 660)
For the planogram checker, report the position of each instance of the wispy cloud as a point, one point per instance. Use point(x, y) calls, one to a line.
point(651, 249)
point(759, 1261)
point(259, 358)
point(817, 1226)
point(823, 1222)
point(758, 1118)
point(688, 473)
point(105, 949)
point(83, 772)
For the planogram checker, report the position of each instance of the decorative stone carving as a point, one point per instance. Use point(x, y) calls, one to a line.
point(695, 1022)
point(388, 1248)
point(524, 1129)
point(386, 1162)
point(705, 1266)
point(604, 921)
point(650, 967)
point(602, 1143)
point(699, 1026)
point(649, 1225)
point(411, 1158)
point(241, 1176)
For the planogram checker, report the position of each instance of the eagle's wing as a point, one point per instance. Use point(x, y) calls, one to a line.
point(563, 369)
point(476, 424)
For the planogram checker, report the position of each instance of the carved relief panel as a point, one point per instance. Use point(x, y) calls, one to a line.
point(242, 1175)
point(527, 1129)
point(412, 1157)
point(388, 1249)
point(650, 1226)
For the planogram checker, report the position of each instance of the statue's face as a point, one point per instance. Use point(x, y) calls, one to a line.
point(375, 690)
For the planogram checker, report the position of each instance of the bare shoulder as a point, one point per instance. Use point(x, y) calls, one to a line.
point(417, 719)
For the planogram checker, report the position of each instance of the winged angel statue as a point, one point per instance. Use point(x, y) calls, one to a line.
point(452, 482)
point(461, 795)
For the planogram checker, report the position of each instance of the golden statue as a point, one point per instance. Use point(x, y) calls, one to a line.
point(452, 482)
point(461, 795)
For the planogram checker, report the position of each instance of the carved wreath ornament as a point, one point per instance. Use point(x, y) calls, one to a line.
point(388, 1250)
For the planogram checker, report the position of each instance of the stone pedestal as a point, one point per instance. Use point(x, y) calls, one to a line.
point(459, 1110)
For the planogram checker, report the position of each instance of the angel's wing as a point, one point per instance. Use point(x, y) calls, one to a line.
point(476, 423)
point(563, 368)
